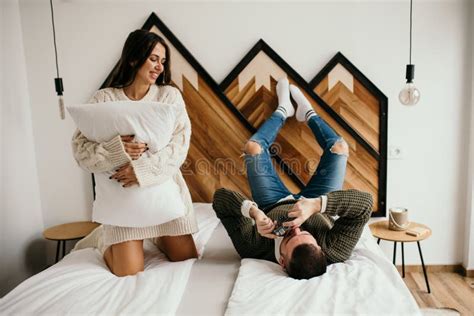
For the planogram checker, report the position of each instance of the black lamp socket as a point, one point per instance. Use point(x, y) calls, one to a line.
point(410, 73)
point(58, 82)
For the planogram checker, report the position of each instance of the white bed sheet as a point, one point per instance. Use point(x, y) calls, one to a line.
point(212, 278)
point(82, 284)
point(366, 284)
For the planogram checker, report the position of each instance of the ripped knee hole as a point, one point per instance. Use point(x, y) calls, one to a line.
point(340, 147)
point(252, 148)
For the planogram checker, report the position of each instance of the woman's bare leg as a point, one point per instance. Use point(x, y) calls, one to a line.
point(177, 248)
point(125, 258)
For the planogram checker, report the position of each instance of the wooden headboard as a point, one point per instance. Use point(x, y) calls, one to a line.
point(224, 116)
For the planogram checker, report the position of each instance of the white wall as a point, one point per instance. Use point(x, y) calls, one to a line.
point(468, 261)
point(21, 222)
point(430, 181)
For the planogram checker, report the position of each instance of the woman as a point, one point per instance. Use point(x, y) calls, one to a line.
point(142, 74)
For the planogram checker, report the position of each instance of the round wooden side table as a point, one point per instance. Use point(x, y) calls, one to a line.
point(69, 231)
point(380, 230)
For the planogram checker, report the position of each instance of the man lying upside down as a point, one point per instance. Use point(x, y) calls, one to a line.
point(309, 238)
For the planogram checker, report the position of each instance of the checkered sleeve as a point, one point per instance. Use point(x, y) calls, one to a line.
point(353, 208)
point(244, 235)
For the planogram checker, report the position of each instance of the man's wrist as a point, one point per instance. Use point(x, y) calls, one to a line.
point(317, 205)
point(246, 208)
point(254, 212)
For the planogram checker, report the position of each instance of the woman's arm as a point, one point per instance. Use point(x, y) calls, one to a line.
point(99, 157)
point(162, 165)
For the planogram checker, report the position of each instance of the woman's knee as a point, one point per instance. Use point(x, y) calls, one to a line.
point(340, 147)
point(126, 258)
point(128, 270)
point(178, 248)
point(252, 148)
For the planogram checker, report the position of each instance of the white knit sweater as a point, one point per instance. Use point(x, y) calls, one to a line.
point(107, 156)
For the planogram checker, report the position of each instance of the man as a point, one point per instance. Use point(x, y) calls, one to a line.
point(314, 238)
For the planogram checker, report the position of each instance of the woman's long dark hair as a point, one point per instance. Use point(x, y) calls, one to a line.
point(136, 50)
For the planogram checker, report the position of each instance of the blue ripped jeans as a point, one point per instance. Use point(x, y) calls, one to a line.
point(265, 184)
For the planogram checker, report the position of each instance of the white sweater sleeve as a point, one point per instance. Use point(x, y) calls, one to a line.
point(165, 163)
point(98, 157)
point(245, 209)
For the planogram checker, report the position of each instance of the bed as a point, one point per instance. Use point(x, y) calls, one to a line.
point(218, 283)
point(366, 284)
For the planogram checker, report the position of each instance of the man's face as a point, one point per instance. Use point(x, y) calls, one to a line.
point(293, 239)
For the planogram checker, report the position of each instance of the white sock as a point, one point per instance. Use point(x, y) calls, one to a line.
point(284, 103)
point(304, 110)
point(93, 240)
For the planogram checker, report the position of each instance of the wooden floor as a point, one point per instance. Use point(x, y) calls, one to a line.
point(448, 290)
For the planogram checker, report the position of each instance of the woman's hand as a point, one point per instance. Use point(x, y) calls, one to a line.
point(134, 150)
point(265, 225)
point(126, 175)
point(302, 210)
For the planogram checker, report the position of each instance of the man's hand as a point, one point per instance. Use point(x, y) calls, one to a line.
point(265, 225)
point(302, 210)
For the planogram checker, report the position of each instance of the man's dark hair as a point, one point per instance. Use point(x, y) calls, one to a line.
point(306, 261)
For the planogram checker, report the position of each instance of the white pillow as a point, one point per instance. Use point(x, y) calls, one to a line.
point(152, 123)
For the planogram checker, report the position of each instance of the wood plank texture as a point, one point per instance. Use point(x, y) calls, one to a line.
point(69, 231)
point(380, 230)
point(217, 137)
point(217, 141)
point(432, 268)
point(360, 109)
point(296, 144)
point(448, 290)
point(219, 133)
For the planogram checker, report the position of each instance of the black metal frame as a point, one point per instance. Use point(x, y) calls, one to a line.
point(58, 249)
point(403, 260)
point(381, 157)
point(263, 46)
point(338, 58)
point(63, 248)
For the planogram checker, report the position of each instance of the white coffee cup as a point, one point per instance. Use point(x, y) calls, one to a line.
point(398, 218)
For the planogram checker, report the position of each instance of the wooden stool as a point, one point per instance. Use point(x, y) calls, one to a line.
point(380, 230)
point(69, 231)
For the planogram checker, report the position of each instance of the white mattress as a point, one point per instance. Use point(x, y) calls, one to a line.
point(366, 284)
point(82, 284)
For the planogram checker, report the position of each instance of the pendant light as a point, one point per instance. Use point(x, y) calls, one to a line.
point(58, 81)
point(410, 95)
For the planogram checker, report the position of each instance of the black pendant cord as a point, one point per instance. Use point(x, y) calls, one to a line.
point(58, 81)
point(54, 38)
point(410, 69)
point(411, 22)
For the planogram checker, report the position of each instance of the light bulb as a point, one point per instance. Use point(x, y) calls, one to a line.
point(409, 95)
